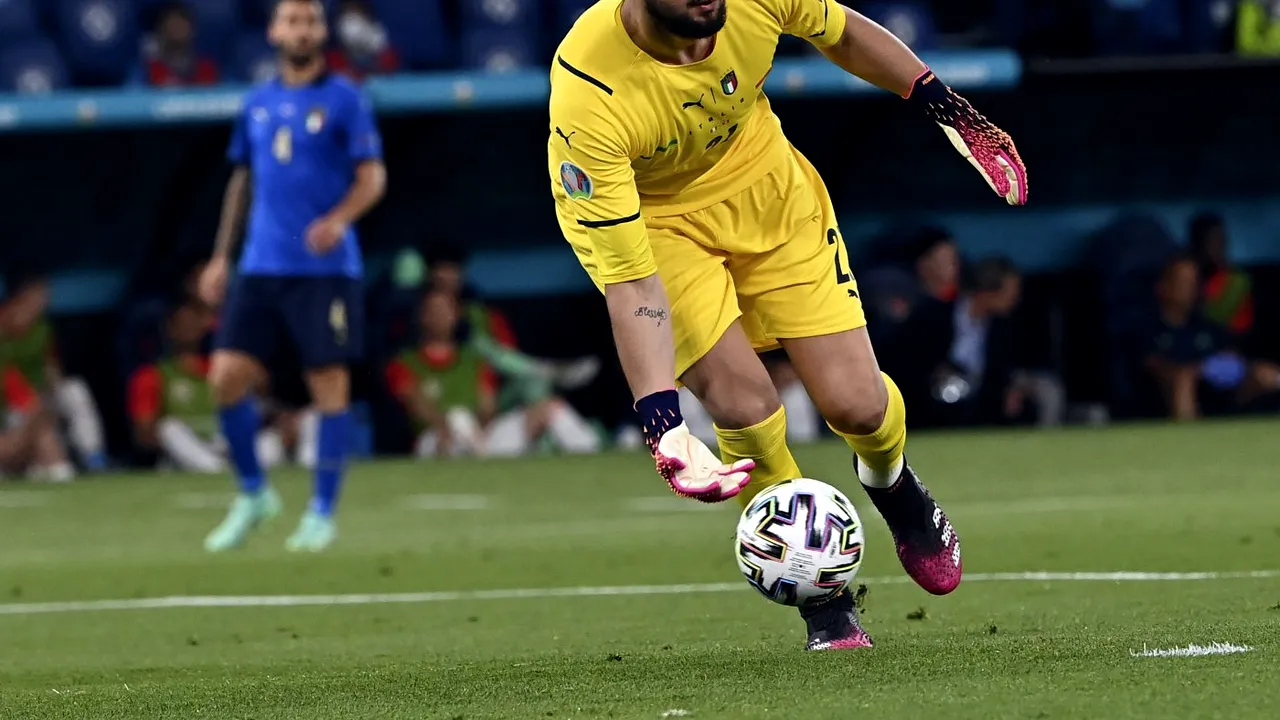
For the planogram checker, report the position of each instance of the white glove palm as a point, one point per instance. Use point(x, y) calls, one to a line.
point(988, 148)
point(693, 471)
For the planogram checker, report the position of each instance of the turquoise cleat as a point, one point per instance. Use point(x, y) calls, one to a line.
point(246, 513)
point(315, 533)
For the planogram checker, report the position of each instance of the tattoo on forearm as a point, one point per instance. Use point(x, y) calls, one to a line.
point(657, 314)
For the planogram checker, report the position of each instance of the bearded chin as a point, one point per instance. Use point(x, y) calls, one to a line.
point(684, 26)
point(300, 60)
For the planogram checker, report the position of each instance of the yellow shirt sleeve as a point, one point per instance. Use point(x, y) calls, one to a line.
point(821, 22)
point(594, 184)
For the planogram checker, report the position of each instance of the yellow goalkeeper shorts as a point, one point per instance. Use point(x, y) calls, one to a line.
point(772, 255)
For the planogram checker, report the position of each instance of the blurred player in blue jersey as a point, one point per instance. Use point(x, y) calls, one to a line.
point(307, 148)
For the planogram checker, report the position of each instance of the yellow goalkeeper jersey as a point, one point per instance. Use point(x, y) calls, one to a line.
point(632, 136)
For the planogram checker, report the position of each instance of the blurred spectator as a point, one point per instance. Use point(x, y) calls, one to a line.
point(449, 389)
point(363, 48)
point(170, 57)
point(27, 347)
point(960, 366)
point(937, 264)
point(525, 379)
point(1226, 291)
point(1258, 28)
point(171, 406)
point(925, 264)
point(922, 265)
point(1191, 359)
point(446, 271)
point(29, 442)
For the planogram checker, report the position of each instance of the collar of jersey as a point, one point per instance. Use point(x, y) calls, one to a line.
point(321, 79)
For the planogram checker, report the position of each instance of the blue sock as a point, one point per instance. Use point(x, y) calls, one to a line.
point(240, 427)
point(331, 451)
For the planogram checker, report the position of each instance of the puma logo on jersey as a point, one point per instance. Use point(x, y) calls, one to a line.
point(566, 137)
point(696, 103)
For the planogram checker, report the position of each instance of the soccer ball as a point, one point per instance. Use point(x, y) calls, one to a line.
point(800, 542)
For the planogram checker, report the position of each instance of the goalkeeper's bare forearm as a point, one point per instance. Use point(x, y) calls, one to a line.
point(872, 53)
point(641, 317)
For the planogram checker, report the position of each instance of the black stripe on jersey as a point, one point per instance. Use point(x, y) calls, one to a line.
point(609, 223)
point(826, 8)
point(583, 75)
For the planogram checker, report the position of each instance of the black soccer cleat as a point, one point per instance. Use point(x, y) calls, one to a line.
point(928, 546)
point(834, 625)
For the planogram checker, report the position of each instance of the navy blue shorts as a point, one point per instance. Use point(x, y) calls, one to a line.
point(320, 318)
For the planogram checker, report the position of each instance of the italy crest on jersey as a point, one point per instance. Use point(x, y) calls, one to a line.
point(315, 120)
point(729, 83)
point(577, 184)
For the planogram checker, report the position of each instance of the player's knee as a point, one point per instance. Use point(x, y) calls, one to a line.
point(744, 408)
point(538, 414)
point(230, 379)
point(858, 413)
point(330, 389)
point(858, 419)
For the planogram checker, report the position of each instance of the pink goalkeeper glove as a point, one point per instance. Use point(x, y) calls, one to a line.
point(985, 146)
point(688, 466)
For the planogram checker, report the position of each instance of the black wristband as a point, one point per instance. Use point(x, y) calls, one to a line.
point(928, 88)
point(658, 413)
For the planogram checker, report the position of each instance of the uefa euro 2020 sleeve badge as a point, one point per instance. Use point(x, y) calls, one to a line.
point(577, 184)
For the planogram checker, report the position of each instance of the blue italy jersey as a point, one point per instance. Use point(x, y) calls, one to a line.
point(302, 145)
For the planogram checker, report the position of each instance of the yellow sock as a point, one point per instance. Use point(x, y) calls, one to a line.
point(766, 443)
point(881, 451)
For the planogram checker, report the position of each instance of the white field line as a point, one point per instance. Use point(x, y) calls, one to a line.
point(448, 502)
point(1029, 506)
point(667, 504)
point(202, 501)
point(1192, 650)
point(24, 499)
point(235, 601)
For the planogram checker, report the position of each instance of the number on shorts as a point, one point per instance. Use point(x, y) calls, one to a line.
point(338, 321)
point(833, 238)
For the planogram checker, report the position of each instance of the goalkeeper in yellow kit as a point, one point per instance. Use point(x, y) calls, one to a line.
point(713, 239)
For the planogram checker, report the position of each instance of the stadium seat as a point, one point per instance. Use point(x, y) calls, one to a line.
point(252, 12)
point(498, 52)
point(1012, 21)
point(31, 66)
point(99, 37)
point(256, 12)
point(217, 23)
point(1209, 25)
point(566, 13)
point(418, 32)
point(1138, 27)
point(498, 15)
point(500, 34)
point(17, 19)
point(254, 60)
point(911, 22)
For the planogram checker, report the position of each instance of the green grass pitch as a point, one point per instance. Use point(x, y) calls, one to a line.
point(578, 588)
